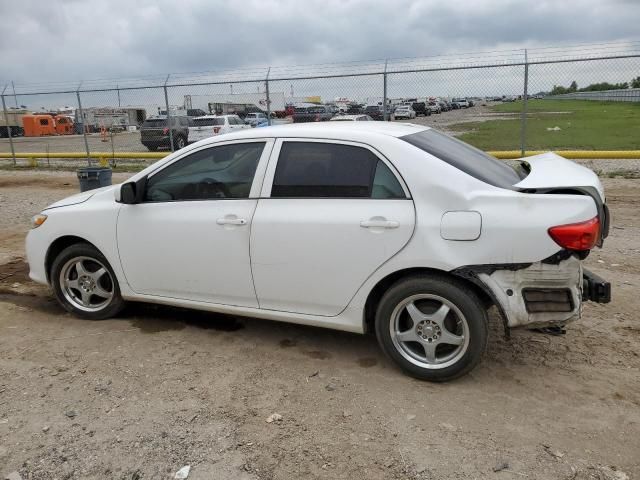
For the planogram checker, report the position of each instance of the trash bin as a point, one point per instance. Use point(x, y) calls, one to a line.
point(94, 177)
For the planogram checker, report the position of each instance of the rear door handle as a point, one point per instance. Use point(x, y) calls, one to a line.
point(231, 221)
point(379, 224)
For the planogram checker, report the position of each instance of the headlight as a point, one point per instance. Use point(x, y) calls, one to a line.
point(38, 220)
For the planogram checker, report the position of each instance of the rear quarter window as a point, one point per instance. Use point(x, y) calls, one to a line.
point(466, 158)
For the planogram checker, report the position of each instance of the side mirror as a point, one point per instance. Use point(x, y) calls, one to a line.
point(131, 193)
point(128, 193)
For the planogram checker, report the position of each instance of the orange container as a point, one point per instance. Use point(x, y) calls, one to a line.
point(64, 125)
point(38, 125)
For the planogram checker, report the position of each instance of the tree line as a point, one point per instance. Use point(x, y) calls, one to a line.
point(595, 87)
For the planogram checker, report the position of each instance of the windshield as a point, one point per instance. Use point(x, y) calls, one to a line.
point(316, 110)
point(464, 157)
point(207, 122)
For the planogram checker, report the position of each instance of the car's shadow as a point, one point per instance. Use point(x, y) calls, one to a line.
point(313, 342)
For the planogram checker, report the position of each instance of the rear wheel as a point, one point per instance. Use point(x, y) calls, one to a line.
point(84, 283)
point(179, 143)
point(152, 148)
point(432, 327)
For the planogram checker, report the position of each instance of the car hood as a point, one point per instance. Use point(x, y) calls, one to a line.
point(551, 171)
point(78, 197)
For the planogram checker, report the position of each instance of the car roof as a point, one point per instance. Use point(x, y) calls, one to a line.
point(348, 117)
point(354, 131)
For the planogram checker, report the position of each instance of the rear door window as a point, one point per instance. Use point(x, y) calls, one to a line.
point(330, 170)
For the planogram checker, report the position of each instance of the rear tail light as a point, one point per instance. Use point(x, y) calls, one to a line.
point(577, 236)
point(216, 129)
point(165, 131)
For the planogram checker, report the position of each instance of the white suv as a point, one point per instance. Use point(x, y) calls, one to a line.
point(377, 227)
point(212, 125)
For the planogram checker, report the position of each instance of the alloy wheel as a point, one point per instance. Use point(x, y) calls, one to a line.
point(86, 283)
point(429, 331)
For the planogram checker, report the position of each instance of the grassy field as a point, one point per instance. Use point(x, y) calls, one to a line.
point(584, 125)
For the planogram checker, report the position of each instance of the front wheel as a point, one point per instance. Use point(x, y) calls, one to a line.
point(84, 283)
point(433, 327)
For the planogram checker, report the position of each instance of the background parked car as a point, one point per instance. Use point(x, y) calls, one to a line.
point(460, 102)
point(355, 109)
point(318, 113)
point(253, 119)
point(212, 125)
point(444, 105)
point(434, 107)
point(420, 108)
point(404, 112)
point(154, 132)
point(375, 112)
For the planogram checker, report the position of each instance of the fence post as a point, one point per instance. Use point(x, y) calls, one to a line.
point(385, 115)
point(15, 98)
point(84, 127)
point(6, 121)
point(523, 120)
point(266, 87)
point(166, 101)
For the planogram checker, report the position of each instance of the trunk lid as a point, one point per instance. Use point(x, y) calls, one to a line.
point(549, 170)
point(551, 173)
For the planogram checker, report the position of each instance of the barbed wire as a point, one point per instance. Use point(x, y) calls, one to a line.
point(506, 57)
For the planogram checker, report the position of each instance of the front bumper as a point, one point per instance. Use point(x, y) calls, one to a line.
point(36, 246)
point(594, 288)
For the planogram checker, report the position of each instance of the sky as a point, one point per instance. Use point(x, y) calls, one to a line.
point(68, 41)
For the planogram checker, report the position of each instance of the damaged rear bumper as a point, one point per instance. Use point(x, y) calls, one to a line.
point(539, 294)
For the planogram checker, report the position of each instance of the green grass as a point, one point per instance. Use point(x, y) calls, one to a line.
point(586, 125)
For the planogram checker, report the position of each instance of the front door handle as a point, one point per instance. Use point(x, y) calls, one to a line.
point(231, 221)
point(379, 224)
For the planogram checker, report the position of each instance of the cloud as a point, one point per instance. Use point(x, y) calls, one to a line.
point(74, 40)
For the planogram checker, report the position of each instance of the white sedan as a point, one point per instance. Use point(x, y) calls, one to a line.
point(404, 111)
point(364, 227)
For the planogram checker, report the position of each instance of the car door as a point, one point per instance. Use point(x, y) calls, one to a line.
point(189, 238)
point(330, 214)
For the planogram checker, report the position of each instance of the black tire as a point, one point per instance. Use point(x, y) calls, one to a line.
point(152, 148)
point(464, 357)
point(179, 142)
point(90, 258)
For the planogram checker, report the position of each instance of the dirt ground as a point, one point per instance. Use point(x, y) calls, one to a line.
point(157, 389)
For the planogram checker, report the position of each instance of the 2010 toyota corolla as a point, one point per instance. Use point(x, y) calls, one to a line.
point(392, 228)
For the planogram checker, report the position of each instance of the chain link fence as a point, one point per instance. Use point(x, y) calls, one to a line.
point(514, 101)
